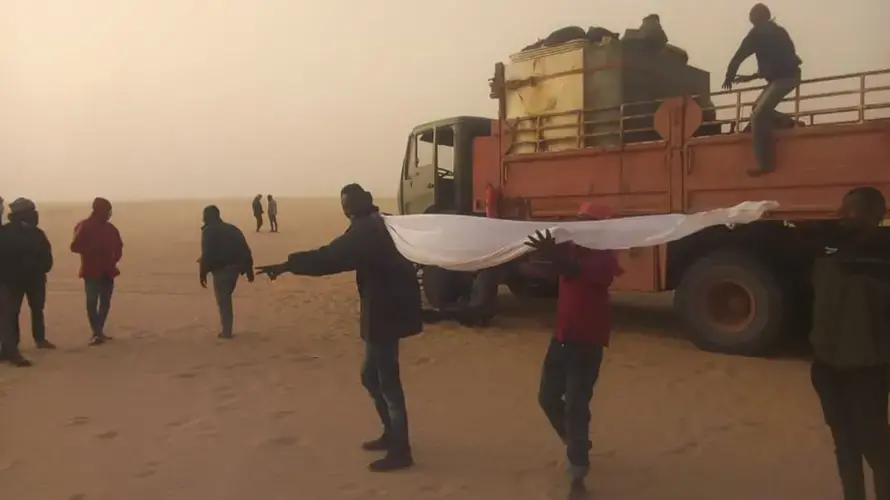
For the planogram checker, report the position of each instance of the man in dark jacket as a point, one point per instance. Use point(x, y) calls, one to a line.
point(390, 310)
point(851, 339)
point(583, 327)
point(226, 255)
point(257, 207)
point(99, 244)
point(9, 350)
point(32, 256)
point(778, 64)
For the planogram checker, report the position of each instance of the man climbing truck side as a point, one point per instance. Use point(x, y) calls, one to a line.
point(637, 131)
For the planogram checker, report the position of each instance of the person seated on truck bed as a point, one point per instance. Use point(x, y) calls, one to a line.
point(851, 338)
point(778, 64)
point(583, 325)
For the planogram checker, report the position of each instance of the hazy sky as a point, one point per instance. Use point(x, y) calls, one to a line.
point(177, 98)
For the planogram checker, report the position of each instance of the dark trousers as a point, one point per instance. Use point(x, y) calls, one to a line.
point(98, 294)
point(762, 117)
point(380, 376)
point(854, 402)
point(224, 282)
point(35, 292)
point(273, 223)
point(7, 346)
point(259, 221)
point(567, 379)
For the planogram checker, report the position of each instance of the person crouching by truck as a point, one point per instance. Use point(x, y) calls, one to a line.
point(778, 64)
point(850, 337)
point(583, 326)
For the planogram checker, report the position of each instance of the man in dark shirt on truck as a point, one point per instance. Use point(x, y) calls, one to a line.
point(778, 64)
point(583, 326)
point(389, 298)
point(226, 255)
point(851, 338)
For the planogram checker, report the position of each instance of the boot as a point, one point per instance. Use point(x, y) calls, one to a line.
point(380, 444)
point(394, 460)
point(15, 359)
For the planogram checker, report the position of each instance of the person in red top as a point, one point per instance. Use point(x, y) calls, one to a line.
point(100, 247)
point(583, 325)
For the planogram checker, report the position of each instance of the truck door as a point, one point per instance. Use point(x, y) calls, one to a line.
point(418, 189)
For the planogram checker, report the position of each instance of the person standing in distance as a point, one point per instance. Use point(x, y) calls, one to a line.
point(32, 258)
point(9, 350)
point(99, 244)
point(257, 207)
point(226, 255)
point(390, 310)
point(583, 327)
point(272, 208)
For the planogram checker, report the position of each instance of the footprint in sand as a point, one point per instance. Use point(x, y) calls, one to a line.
point(107, 435)
point(684, 448)
point(187, 375)
point(282, 414)
point(148, 469)
point(77, 496)
point(283, 441)
point(78, 420)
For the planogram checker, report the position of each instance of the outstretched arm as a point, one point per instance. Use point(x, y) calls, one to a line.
point(339, 256)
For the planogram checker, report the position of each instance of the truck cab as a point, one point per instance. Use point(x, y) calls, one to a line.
point(437, 171)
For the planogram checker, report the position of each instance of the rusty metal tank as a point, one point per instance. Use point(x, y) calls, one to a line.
point(571, 95)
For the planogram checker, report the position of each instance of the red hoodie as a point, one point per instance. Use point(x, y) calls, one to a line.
point(98, 242)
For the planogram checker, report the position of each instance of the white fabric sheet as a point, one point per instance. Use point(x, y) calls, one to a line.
point(467, 243)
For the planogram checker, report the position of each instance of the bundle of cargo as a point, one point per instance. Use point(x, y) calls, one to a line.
point(568, 92)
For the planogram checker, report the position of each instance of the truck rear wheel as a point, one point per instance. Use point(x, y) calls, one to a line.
point(733, 304)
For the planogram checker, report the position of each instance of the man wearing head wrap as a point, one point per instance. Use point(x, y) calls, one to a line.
point(583, 326)
point(779, 65)
point(390, 310)
point(32, 258)
point(99, 244)
point(226, 255)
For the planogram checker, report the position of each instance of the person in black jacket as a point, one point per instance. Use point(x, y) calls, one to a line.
point(390, 310)
point(9, 350)
point(779, 65)
point(257, 207)
point(226, 255)
point(31, 254)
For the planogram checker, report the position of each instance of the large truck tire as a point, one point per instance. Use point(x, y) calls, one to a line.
point(733, 304)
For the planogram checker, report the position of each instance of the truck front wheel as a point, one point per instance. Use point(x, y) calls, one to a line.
point(733, 304)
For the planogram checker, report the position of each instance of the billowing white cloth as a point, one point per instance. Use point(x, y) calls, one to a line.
point(467, 243)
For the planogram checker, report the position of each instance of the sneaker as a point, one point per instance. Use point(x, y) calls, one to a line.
point(105, 337)
point(225, 336)
point(17, 360)
point(379, 444)
point(97, 340)
point(391, 462)
point(45, 344)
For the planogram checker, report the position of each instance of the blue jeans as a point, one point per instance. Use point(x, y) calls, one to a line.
point(98, 292)
point(380, 376)
point(762, 116)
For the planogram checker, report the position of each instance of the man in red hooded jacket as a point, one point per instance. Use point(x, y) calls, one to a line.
point(583, 325)
point(100, 247)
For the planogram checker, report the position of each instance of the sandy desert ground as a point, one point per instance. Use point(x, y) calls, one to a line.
point(167, 411)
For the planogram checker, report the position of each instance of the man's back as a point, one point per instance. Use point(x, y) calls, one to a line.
point(223, 245)
point(774, 50)
point(29, 250)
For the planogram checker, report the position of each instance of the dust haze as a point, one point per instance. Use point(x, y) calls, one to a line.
point(148, 99)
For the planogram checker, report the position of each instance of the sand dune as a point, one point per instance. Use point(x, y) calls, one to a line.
point(168, 412)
